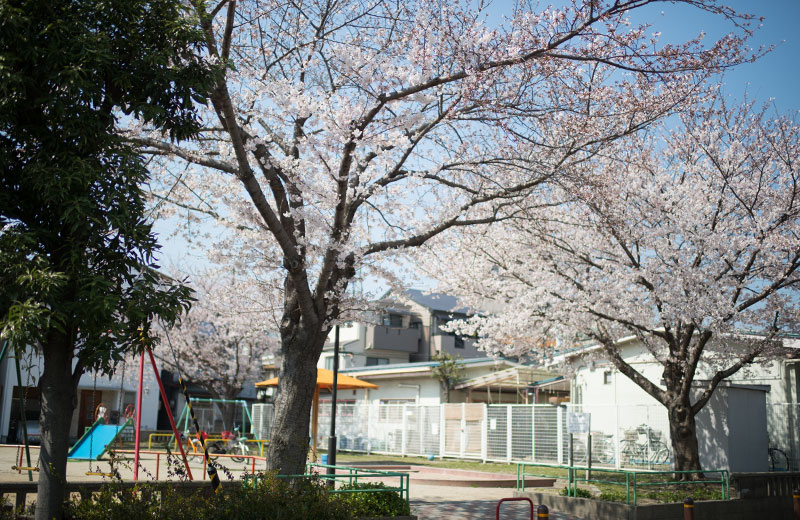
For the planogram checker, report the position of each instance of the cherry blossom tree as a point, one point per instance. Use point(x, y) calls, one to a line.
point(347, 132)
point(220, 343)
point(684, 240)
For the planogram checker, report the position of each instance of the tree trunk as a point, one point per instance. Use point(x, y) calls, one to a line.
point(683, 434)
point(59, 396)
point(289, 443)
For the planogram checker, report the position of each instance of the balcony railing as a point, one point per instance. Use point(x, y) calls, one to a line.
point(380, 337)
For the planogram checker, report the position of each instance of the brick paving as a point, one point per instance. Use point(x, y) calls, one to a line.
point(464, 503)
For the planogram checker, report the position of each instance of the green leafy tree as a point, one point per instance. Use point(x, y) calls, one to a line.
point(77, 270)
point(449, 372)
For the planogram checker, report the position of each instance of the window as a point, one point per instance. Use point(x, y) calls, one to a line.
point(458, 342)
point(391, 410)
point(375, 361)
point(393, 320)
point(607, 377)
point(329, 362)
point(344, 407)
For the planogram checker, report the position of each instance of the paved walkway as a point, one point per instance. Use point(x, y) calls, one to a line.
point(462, 503)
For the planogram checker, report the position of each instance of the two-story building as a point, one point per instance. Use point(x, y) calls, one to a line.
point(408, 328)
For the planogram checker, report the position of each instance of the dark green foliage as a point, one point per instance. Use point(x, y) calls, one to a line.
point(449, 372)
point(373, 503)
point(115, 502)
point(76, 250)
point(613, 495)
point(269, 499)
point(77, 270)
point(580, 492)
point(280, 499)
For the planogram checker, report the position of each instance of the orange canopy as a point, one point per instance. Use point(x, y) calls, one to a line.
point(325, 381)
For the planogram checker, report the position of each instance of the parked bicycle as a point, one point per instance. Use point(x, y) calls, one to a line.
point(778, 460)
point(643, 446)
point(603, 451)
point(233, 443)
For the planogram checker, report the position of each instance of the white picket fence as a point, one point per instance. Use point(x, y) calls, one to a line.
point(630, 436)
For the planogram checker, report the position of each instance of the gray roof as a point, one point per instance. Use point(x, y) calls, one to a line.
point(436, 301)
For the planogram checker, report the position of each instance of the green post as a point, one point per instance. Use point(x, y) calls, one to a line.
point(249, 415)
point(634, 488)
point(627, 488)
point(723, 479)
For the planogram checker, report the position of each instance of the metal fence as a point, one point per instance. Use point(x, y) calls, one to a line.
point(621, 437)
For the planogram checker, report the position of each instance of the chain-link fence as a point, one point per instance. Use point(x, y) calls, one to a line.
point(622, 437)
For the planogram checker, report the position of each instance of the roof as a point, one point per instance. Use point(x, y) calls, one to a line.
point(434, 301)
point(325, 380)
point(788, 340)
point(421, 367)
point(516, 377)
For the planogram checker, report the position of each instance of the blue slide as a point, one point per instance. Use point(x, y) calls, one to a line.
point(94, 442)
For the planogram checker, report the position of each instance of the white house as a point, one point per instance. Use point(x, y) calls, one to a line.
point(754, 409)
point(117, 392)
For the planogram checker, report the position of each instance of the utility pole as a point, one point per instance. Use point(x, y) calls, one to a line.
point(332, 436)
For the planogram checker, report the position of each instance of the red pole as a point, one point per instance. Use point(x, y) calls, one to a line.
point(169, 413)
point(253, 470)
point(138, 418)
point(158, 463)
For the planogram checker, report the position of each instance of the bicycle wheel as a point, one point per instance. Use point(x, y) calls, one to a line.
point(238, 449)
point(778, 461)
point(627, 452)
point(605, 454)
point(578, 452)
point(659, 453)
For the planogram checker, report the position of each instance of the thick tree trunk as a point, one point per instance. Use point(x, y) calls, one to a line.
point(683, 434)
point(59, 396)
point(289, 443)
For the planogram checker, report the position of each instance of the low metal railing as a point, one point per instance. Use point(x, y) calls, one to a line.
point(350, 475)
point(632, 480)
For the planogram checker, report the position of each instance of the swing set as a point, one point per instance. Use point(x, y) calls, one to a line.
point(130, 411)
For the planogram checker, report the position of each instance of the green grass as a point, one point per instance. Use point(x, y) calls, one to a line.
point(343, 458)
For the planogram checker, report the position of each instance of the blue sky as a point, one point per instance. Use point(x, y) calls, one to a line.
point(776, 75)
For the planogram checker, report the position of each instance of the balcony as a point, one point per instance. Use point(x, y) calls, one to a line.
point(450, 344)
point(394, 339)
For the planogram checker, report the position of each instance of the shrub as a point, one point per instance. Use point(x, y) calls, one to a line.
point(373, 503)
point(272, 498)
point(265, 498)
point(117, 502)
point(613, 495)
point(580, 492)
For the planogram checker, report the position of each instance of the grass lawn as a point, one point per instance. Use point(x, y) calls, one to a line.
point(473, 465)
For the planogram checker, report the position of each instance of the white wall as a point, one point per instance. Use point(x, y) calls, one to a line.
point(427, 393)
point(731, 430)
point(108, 385)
